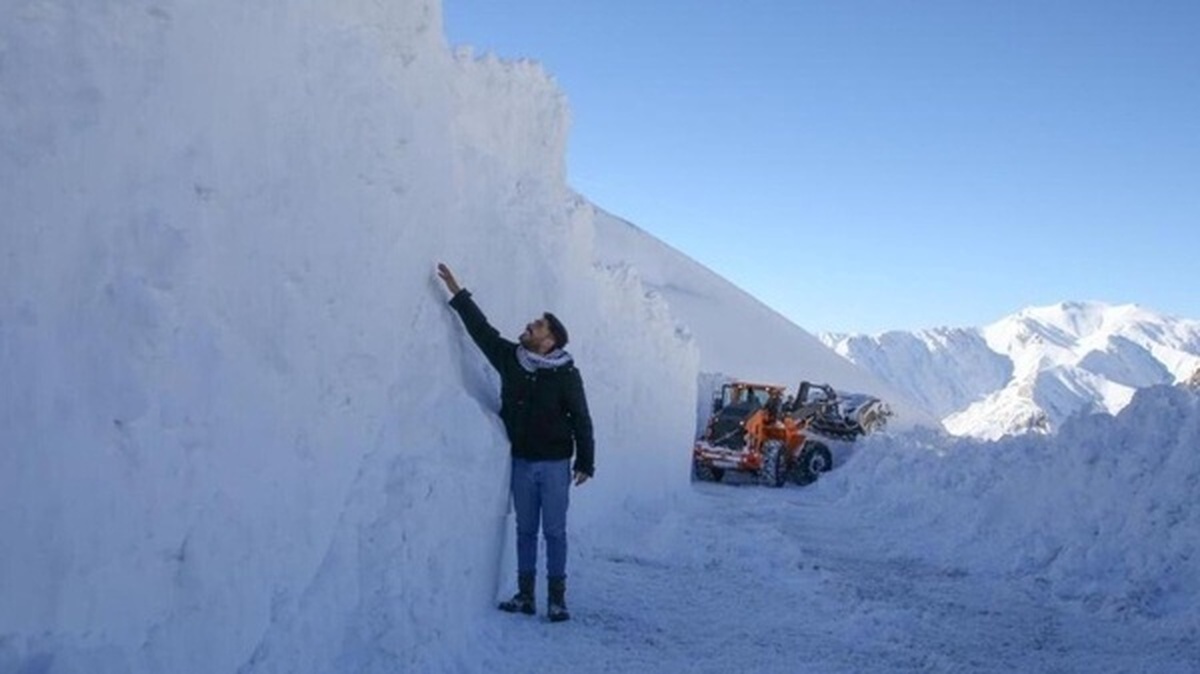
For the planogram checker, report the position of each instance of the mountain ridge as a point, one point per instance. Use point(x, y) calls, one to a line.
point(1033, 369)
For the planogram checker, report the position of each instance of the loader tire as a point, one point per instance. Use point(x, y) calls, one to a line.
point(815, 459)
point(702, 472)
point(774, 468)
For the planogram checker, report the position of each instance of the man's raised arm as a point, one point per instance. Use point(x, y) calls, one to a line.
point(486, 337)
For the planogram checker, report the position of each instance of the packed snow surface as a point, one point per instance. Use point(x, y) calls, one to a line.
point(242, 432)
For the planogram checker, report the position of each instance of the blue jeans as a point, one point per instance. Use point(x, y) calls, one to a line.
point(541, 492)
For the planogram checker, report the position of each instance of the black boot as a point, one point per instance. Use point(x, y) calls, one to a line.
point(556, 606)
point(522, 601)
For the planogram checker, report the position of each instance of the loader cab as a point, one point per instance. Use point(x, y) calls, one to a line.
point(744, 395)
point(730, 394)
point(763, 394)
point(732, 405)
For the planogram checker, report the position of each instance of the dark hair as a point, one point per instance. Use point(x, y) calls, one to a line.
point(556, 329)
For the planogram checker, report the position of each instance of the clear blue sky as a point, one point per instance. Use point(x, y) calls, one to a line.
point(865, 166)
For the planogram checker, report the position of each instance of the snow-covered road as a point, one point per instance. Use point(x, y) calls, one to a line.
point(744, 578)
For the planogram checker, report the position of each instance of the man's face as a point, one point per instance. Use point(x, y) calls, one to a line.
point(537, 336)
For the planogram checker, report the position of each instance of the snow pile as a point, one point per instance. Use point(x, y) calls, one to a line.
point(1104, 512)
point(241, 430)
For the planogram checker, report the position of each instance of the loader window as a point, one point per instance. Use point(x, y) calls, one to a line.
point(727, 393)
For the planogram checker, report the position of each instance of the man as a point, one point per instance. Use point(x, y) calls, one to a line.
point(545, 414)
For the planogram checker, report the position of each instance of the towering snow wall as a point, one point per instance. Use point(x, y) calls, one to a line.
point(240, 431)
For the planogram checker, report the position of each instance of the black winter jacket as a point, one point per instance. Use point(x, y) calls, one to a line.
point(545, 412)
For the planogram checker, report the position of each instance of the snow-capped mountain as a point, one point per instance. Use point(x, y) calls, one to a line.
point(1033, 369)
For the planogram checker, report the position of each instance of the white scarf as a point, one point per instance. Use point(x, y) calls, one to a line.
point(531, 361)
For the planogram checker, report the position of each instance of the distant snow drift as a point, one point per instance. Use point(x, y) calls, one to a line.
point(1034, 369)
point(240, 429)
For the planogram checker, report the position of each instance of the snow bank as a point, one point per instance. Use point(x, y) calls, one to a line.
point(241, 431)
point(1104, 512)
